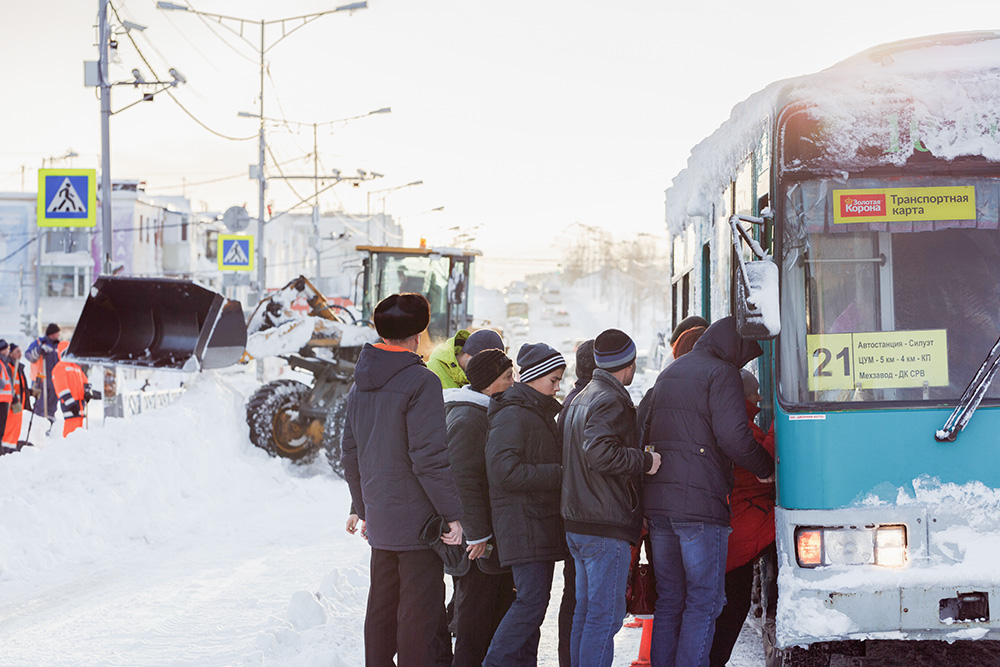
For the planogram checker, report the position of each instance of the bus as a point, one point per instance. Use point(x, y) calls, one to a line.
point(872, 190)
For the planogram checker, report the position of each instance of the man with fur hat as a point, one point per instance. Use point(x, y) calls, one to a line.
point(602, 483)
point(484, 593)
point(395, 461)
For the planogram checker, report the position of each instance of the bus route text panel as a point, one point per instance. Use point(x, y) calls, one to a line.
point(878, 360)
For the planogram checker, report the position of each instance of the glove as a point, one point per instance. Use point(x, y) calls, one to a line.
point(47, 348)
point(36, 392)
point(87, 394)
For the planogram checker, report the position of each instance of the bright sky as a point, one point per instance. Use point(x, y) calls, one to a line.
point(521, 117)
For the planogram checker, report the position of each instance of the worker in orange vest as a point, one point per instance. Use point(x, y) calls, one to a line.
point(21, 400)
point(6, 387)
point(71, 387)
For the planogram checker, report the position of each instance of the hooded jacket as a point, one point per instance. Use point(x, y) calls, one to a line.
point(525, 475)
point(444, 361)
point(698, 424)
point(602, 462)
point(395, 455)
point(468, 426)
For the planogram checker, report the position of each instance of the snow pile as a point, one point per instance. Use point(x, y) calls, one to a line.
point(935, 95)
point(151, 480)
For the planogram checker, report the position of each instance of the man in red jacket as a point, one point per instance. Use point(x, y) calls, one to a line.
point(752, 504)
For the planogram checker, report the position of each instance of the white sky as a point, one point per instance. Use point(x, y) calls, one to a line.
point(522, 116)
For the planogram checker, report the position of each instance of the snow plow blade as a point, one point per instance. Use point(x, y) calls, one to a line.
point(158, 323)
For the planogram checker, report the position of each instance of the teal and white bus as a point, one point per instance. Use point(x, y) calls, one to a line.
point(874, 189)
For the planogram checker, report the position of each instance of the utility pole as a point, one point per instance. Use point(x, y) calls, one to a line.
point(104, 82)
point(261, 183)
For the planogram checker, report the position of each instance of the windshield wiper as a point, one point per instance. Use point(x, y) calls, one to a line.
point(972, 397)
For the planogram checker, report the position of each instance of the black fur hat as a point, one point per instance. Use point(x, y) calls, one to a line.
point(402, 315)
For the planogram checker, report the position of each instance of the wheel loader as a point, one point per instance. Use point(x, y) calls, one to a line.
point(166, 323)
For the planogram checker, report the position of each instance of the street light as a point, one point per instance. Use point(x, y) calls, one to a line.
point(316, 178)
point(257, 171)
point(368, 206)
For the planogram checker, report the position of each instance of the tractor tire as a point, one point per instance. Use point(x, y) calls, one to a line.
point(333, 432)
point(271, 413)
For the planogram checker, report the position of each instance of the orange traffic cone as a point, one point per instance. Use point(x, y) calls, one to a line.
point(644, 643)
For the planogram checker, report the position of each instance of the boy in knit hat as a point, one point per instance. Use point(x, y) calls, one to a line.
point(395, 461)
point(525, 475)
point(450, 358)
point(484, 592)
point(602, 480)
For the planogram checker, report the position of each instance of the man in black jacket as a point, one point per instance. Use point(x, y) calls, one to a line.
point(484, 593)
point(602, 477)
point(396, 464)
point(698, 424)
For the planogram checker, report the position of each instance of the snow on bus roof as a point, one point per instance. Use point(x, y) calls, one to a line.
point(950, 85)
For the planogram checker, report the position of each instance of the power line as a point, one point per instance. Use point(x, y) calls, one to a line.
point(169, 92)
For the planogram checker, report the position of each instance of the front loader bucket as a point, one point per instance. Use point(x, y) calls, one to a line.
point(158, 323)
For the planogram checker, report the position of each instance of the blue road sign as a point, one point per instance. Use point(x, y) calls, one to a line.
point(67, 197)
point(235, 252)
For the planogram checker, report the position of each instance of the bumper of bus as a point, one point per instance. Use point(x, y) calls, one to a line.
point(920, 600)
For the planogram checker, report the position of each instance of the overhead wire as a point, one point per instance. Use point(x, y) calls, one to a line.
point(170, 92)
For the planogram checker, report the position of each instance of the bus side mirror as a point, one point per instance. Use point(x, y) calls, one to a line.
point(757, 310)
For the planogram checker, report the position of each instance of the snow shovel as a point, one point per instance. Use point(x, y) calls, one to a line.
point(158, 323)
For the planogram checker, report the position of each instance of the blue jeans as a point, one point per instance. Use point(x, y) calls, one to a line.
point(515, 642)
point(602, 565)
point(689, 560)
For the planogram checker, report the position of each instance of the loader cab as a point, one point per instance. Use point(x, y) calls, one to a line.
point(444, 275)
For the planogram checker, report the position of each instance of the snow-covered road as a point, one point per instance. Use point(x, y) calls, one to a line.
point(169, 539)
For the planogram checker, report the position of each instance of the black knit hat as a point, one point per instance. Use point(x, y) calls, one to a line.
point(613, 350)
point(585, 360)
point(484, 368)
point(51, 329)
point(402, 315)
point(687, 323)
point(538, 359)
point(3, 345)
point(483, 339)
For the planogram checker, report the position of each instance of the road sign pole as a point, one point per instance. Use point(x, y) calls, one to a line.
point(105, 84)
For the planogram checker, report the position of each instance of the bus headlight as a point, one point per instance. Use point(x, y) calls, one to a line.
point(890, 546)
point(848, 546)
point(836, 545)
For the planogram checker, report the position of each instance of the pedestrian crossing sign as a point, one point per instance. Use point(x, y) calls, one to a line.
point(67, 197)
point(235, 252)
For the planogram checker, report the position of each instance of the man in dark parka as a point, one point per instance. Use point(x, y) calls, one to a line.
point(698, 425)
point(396, 464)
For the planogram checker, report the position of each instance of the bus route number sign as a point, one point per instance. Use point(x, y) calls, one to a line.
point(878, 360)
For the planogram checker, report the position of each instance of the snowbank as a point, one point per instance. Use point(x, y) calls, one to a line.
point(153, 479)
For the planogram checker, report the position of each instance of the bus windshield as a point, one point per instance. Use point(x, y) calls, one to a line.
point(890, 288)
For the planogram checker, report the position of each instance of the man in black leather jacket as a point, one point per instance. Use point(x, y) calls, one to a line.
point(601, 491)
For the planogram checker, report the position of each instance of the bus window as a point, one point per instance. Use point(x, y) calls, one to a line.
point(886, 311)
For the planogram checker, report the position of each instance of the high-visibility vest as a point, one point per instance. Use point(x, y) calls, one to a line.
point(6, 384)
point(69, 381)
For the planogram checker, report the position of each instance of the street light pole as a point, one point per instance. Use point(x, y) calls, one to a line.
point(299, 21)
point(261, 182)
point(104, 80)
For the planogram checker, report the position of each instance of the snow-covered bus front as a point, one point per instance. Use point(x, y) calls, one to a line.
point(879, 182)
